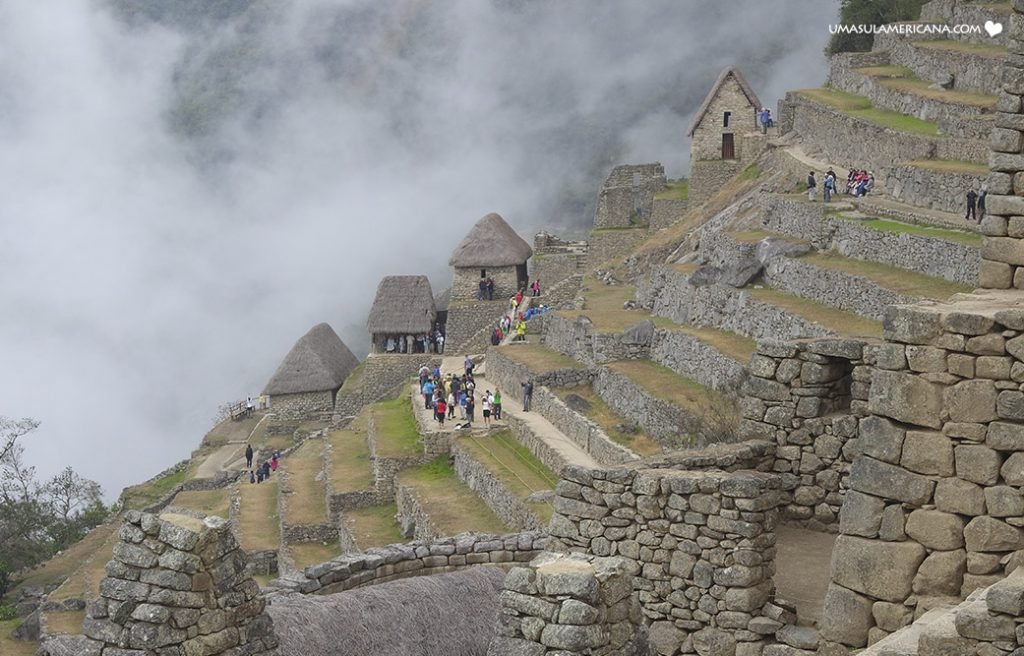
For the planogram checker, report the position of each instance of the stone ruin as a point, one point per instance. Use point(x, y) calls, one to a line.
point(626, 199)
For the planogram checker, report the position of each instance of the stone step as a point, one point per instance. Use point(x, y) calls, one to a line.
point(973, 66)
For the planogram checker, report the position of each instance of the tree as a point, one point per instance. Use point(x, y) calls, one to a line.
point(870, 12)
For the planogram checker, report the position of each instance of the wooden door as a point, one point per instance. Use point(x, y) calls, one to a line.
point(728, 149)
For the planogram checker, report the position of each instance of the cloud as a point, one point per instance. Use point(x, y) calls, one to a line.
point(188, 192)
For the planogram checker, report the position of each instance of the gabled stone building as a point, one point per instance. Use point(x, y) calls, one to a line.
point(718, 152)
point(309, 377)
point(402, 310)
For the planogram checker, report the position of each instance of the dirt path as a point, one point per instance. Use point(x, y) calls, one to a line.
point(803, 567)
point(229, 456)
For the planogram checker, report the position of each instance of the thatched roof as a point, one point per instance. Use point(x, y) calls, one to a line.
point(404, 304)
point(443, 300)
point(729, 72)
point(452, 614)
point(491, 242)
point(319, 361)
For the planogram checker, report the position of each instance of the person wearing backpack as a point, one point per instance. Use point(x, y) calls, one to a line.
point(812, 186)
point(829, 187)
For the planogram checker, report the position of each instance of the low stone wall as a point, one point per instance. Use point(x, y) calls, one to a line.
point(509, 508)
point(937, 190)
point(386, 468)
point(396, 561)
point(701, 540)
point(839, 289)
point(938, 258)
point(551, 458)
point(612, 243)
point(384, 374)
point(717, 248)
point(573, 603)
point(807, 398)
point(341, 501)
point(970, 71)
point(852, 141)
point(414, 521)
point(690, 357)
point(959, 12)
point(552, 268)
point(708, 176)
point(667, 211)
point(324, 532)
point(466, 330)
point(581, 341)
point(562, 295)
point(586, 434)
point(665, 422)
point(508, 374)
point(308, 405)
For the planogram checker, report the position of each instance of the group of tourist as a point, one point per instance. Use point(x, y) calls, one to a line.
point(251, 406)
point(976, 205)
point(764, 117)
point(261, 473)
point(432, 342)
point(516, 318)
point(450, 392)
point(858, 183)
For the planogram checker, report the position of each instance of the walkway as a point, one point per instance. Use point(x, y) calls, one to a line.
point(231, 456)
point(803, 568)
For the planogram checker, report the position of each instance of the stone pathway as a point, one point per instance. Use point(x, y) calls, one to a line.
point(231, 456)
point(803, 568)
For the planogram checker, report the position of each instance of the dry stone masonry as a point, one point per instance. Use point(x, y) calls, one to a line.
point(178, 586)
point(627, 196)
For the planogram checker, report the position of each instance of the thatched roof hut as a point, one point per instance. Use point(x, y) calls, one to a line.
point(318, 362)
point(491, 243)
point(404, 305)
point(452, 614)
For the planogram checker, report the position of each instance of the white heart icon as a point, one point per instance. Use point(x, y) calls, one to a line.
point(993, 28)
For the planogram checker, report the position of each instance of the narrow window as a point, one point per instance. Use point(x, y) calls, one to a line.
point(483, 273)
point(725, 119)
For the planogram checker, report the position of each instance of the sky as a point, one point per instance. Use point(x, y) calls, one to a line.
point(189, 185)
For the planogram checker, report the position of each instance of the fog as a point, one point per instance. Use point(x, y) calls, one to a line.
point(189, 185)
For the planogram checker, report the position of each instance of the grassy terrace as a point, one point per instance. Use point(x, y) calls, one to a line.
point(374, 526)
point(355, 379)
point(396, 432)
point(667, 385)
point(228, 430)
point(886, 225)
point(539, 359)
point(676, 190)
point(950, 166)
point(307, 503)
point(900, 78)
point(57, 569)
point(140, 496)
point(452, 506)
point(313, 553)
point(209, 502)
point(842, 323)
point(737, 347)
point(991, 50)
point(513, 465)
point(84, 581)
point(261, 440)
point(350, 467)
point(861, 107)
point(258, 524)
point(11, 647)
point(598, 411)
point(604, 306)
point(900, 280)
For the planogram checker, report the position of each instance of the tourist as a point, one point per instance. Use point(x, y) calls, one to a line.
point(450, 403)
point(496, 404)
point(972, 199)
point(440, 343)
point(440, 408)
point(259, 474)
point(467, 364)
point(812, 186)
point(764, 120)
point(249, 406)
point(490, 289)
point(424, 374)
point(521, 331)
point(828, 186)
point(273, 463)
point(481, 293)
point(771, 121)
point(252, 477)
point(519, 297)
point(263, 401)
point(248, 456)
point(981, 203)
point(485, 405)
point(535, 287)
point(470, 407)
point(496, 336)
point(527, 395)
point(428, 393)
point(389, 345)
point(462, 406)
point(266, 470)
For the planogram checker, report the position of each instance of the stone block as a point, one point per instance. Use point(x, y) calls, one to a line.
point(1012, 470)
point(1005, 204)
point(714, 642)
point(889, 481)
point(891, 617)
point(911, 324)
point(1010, 404)
point(891, 356)
point(956, 495)
point(816, 374)
point(1007, 596)
point(988, 534)
point(995, 275)
point(926, 359)
point(976, 463)
point(1005, 436)
point(941, 573)
point(860, 514)
point(994, 225)
point(967, 431)
point(927, 452)
point(961, 365)
point(574, 638)
point(883, 570)
point(974, 621)
point(971, 401)
point(936, 530)
point(991, 344)
point(881, 438)
point(665, 638)
point(995, 367)
point(845, 616)
point(1004, 501)
point(907, 398)
point(1005, 140)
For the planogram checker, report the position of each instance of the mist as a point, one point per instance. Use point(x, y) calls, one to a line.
point(191, 185)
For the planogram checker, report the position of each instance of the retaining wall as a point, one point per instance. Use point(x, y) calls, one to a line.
point(507, 506)
point(611, 243)
point(667, 211)
point(938, 190)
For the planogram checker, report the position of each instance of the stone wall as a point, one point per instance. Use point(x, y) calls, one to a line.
point(307, 405)
point(507, 373)
point(384, 374)
point(469, 323)
point(708, 176)
point(702, 541)
point(386, 468)
point(585, 433)
point(569, 605)
point(412, 518)
point(627, 195)
point(959, 12)
point(175, 584)
point(938, 258)
point(508, 507)
point(581, 341)
point(667, 211)
point(938, 190)
point(934, 506)
point(970, 71)
point(690, 357)
point(419, 558)
point(466, 283)
point(852, 141)
point(611, 243)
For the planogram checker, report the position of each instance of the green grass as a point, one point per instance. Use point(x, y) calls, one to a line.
point(992, 50)
point(603, 305)
point(749, 174)
point(539, 359)
point(667, 385)
point(861, 107)
point(675, 190)
point(258, 524)
point(452, 507)
point(900, 78)
point(900, 280)
point(11, 647)
point(209, 502)
point(350, 467)
point(307, 502)
point(950, 166)
point(374, 526)
point(620, 228)
point(842, 323)
point(84, 582)
point(737, 347)
point(140, 496)
point(638, 442)
point(885, 225)
point(313, 553)
point(355, 379)
point(512, 464)
point(396, 433)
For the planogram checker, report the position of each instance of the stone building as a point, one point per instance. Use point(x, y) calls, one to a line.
point(718, 150)
point(627, 197)
point(402, 310)
point(492, 249)
point(309, 377)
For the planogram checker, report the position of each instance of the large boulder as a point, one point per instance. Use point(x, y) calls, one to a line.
point(883, 570)
point(845, 616)
point(770, 248)
point(905, 397)
point(640, 333)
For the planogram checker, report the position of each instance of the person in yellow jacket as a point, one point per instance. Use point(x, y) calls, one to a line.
point(521, 331)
